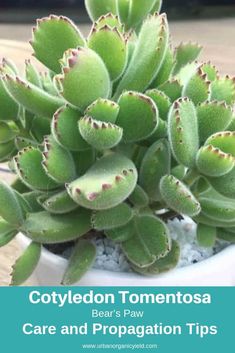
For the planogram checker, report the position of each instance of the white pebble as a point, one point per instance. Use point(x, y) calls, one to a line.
point(111, 258)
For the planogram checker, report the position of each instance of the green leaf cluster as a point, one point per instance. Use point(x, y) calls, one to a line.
point(120, 133)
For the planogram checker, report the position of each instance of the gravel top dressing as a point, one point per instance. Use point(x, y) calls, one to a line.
point(111, 258)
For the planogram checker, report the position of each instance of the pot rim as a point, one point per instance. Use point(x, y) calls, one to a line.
point(57, 260)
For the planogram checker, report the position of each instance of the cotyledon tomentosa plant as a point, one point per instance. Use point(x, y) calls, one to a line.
point(120, 134)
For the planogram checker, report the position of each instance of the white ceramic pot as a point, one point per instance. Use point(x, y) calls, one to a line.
point(219, 270)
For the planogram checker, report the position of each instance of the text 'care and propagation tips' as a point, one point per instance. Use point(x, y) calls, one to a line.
point(109, 319)
point(94, 327)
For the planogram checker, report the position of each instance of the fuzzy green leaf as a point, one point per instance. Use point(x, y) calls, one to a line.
point(31, 97)
point(137, 153)
point(138, 11)
point(200, 185)
point(59, 203)
point(25, 206)
point(96, 8)
point(179, 172)
point(10, 208)
point(147, 57)
point(7, 150)
point(123, 9)
point(166, 69)
point(198, 88)
point(103, 110)
point(84, 79)
point(157, 6)
point(210, 70)
point(223, 89)
point(22, 142)
point(28, 165)
point(225, 184)
point(8, 67)
point(31, 199)
point(178, 197)
point(46, 228)
point(186, 53)
point(163, 264)
point(183, 132)
point(206, 235)
point(231, 126)
point(156, 163)
point(162, 102)
point(43, 196)
point(224, 140)
point(112, 218)
point(109, 19)
point(232, 230)
point(187, 72)
point(217, 207)
point(32, 75)
point(111, 46)
point(7, 132)
point(121, 234)
point(8, 107)
point(98, 134)
point(47, 83)
point(7, 232)
point(131, 38)
point(19, 186)
point(226, 235)
point(203, 219)
point(159, 133)
point(84, 160)
point(213, 117)
point(138, 116)
point(40, 127)
point(81, 260)
point(64, 128)
point(213, 162)
point(52, 37)
point(26, 264)
point(151, 241)
point(106, 184)
point(172, 88)
point(139, 198)
point(58, 161)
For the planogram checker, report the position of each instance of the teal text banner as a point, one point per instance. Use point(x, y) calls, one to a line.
point(82, 319)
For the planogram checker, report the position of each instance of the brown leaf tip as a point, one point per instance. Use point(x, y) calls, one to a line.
point(106, 186)
point(93, 196)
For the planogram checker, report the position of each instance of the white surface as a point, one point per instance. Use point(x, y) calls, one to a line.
point(218, 270)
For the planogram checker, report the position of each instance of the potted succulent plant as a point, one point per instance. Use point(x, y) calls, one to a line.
point(120, 134)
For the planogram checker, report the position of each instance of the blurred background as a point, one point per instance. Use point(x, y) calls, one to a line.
point(23, 11)
point(209, 22)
